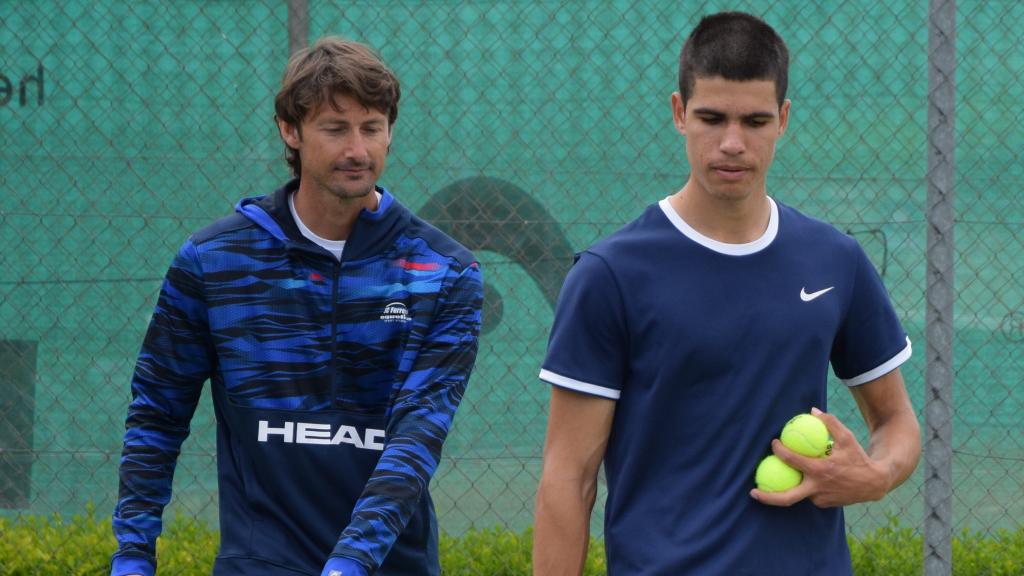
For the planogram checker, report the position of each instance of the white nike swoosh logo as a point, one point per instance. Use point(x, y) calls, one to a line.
point(808, 297)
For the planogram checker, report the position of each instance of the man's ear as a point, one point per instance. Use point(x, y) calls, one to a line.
point(679, 113)
point(784, 116)
point(290, 133)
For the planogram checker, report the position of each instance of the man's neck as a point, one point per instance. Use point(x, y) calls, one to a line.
point(328, 216)
point(728, 220)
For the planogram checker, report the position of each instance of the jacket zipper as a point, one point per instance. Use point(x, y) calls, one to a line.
point(335, 288)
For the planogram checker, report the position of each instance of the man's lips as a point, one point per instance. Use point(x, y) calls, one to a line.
point(730, 171)
point(353, 170)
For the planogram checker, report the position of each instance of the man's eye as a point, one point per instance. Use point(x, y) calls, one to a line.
point(711, 119)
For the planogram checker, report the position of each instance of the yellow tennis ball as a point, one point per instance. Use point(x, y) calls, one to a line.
point(774, 475)
point(806, 434)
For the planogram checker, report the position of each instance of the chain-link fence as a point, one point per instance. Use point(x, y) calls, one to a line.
point(528, 129)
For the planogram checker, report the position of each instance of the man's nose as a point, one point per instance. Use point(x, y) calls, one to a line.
point(355, 146)
point(732, 140)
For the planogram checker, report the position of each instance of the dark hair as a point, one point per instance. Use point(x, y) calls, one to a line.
point(329, 67)
point(735, 46)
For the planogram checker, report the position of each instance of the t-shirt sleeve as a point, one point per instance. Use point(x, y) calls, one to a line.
point(871, 342)
point(588, 344)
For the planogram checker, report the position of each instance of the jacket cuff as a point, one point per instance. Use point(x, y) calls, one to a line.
point(342, 566)
point(125, 565)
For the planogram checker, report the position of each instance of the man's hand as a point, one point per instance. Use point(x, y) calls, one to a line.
point(847, 476)
point(851, 474)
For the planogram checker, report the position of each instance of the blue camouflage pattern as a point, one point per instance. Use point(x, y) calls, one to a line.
point(306, 357)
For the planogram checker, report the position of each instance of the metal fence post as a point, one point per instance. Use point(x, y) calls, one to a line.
point(939, 291)
point(298, 25)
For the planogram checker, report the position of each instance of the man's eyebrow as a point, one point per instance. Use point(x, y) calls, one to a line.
point(757, 115)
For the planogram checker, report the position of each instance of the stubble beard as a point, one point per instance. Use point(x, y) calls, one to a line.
point(344, 193)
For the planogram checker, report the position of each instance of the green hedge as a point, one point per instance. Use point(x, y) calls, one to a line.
point(82, 545)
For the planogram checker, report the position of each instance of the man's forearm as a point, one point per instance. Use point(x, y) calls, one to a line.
point(562, 528)
point(578, 431)
point(897, 445)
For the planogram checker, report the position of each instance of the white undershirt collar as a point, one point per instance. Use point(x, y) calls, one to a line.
point(335, 247)
point(723, 247)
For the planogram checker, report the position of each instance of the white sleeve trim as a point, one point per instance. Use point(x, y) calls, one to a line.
point(565, 382)
point(882, 370)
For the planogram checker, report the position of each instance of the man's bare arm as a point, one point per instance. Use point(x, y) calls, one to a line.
point(578, 429)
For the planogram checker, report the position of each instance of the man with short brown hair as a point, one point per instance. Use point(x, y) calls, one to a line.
point(338, 332)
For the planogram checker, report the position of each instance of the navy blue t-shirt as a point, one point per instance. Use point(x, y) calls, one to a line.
point(708, 349)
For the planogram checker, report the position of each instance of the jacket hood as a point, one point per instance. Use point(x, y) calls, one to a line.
point(372, 230)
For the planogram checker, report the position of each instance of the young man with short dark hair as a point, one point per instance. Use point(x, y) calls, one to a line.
point(684, 342)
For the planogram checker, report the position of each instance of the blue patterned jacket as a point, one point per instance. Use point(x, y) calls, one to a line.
point(334, 386)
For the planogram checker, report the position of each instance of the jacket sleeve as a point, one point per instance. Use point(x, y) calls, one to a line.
point(420, 420)
point(173, 363)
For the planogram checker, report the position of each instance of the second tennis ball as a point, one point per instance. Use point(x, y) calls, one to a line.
point(774, 475)
point(806, 434)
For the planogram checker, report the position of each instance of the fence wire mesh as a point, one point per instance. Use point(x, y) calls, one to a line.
point(528, 129)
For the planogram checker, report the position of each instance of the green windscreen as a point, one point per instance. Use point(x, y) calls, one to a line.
point(527, 130)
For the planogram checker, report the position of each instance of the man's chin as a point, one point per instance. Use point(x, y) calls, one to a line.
point(733, 192)
point(728, 195)
point(348, 194)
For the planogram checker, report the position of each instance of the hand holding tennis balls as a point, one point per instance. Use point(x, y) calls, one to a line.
point(849, 474)
point(804, 434)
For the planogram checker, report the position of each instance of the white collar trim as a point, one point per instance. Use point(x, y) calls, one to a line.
point(722, 247)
